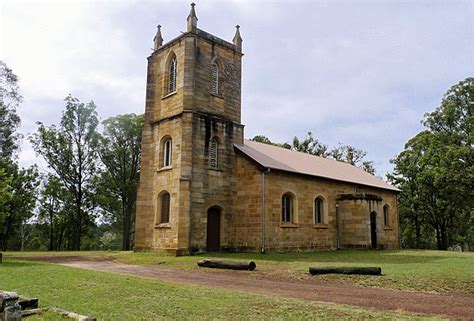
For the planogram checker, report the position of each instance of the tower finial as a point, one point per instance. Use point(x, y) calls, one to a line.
point(237, 39)
point(192, 18)
point(158, 40)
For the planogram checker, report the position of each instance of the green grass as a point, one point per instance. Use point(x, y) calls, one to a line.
point(110, 296)
point(414, 270)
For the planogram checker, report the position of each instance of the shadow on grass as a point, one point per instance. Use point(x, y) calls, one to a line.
point(8, 263)
point(345, 256)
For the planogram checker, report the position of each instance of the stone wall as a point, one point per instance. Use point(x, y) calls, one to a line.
point(303, 234)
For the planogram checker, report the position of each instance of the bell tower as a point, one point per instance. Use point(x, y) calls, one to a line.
point(192, 121)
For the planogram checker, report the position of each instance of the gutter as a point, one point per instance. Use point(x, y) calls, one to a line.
point(263, 211)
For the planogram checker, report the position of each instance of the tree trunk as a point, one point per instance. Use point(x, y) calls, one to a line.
point(345, 270)
point(51, 216)
point(227, 265)
point(127, 224)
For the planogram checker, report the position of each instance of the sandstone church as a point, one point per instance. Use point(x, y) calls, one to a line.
point(203, 187)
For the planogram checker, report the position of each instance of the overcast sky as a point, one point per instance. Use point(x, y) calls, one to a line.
point(356, 72)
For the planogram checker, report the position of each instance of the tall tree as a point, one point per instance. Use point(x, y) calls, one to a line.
point(21, 201)
point(120, 151)
point(435, 170)
point(10, 98)
point(310, 145)
point(55, 211)
point(71, 151)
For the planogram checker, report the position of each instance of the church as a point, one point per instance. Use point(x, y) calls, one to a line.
point(203, 187)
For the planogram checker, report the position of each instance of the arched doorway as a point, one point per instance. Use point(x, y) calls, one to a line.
point(373, 229)
point(213, 229)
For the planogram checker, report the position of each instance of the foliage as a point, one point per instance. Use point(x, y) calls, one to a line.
point(435, 171)
point(10, 98)
point(120, 151)
point(71, 151)
point(17, 206)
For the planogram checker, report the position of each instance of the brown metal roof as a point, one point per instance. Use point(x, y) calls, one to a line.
point(287, 160)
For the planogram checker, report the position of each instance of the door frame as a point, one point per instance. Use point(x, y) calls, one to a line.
point(218, 210)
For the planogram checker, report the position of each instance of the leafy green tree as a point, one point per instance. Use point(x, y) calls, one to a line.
point(353, 156)
point(19, 206)
point(436, 174)
point(265, 140)
point(310, 145)
point(55, 212)
point(71, 151)
point(9, 119)
point(120, 151)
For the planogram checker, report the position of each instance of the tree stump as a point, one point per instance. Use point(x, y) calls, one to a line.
point(215, 264)
point(345, 270)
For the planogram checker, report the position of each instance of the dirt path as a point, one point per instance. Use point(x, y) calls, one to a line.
point(458, 306)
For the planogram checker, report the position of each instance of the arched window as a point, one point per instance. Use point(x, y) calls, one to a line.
point(214, 78)
point(172, 74)
point(213, 153)
point(167, 152)
point(287, 208)
point(164, 202)
point(386, 216)
point(318, 210)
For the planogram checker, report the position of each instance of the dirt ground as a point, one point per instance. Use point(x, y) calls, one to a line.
point(454, 305)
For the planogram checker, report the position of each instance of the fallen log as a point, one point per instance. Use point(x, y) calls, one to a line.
point(71, 315)
point(231, 265)
point(30, 312)
point(345, 270)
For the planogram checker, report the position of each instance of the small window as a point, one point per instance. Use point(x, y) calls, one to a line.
point(386, 217)
point(318, 210)
point(165, 208)
point(213, 153)
point(214, 78)
point(167, 153)
point(172, 75)
point(287, 208)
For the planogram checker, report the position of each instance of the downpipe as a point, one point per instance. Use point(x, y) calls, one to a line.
point(264, 223)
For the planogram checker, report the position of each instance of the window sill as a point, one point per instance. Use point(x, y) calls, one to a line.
point(163, 225)
point(388, 228)
point(217, 96)
point(321, 226)
point(166, 168)
point(216, 169)
point(288, 225)
point(169, 95)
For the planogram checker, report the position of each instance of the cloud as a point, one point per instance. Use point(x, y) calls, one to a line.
point(356, 72)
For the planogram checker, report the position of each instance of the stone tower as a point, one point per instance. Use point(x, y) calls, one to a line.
point(192, 121)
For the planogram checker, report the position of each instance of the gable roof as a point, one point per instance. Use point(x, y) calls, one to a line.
point(283, 159)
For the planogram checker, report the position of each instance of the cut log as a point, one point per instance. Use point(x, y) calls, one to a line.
point(31, 312)
point(72, 315)
point(28, 303)
point(345, 270)
point(214, 264)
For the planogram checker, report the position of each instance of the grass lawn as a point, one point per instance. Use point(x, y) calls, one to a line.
point(117, 297)
point(416, 270)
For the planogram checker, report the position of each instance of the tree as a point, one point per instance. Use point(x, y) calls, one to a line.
point(55, 211)
point(353, 156)
point(71, 151)
point(120, 151)
point(310, 145)
point(18, 207)
point(435, 171)
point(9, 119)
point(265, 140)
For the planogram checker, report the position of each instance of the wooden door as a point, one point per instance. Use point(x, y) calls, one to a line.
point(213, 229)
point(373, 229)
